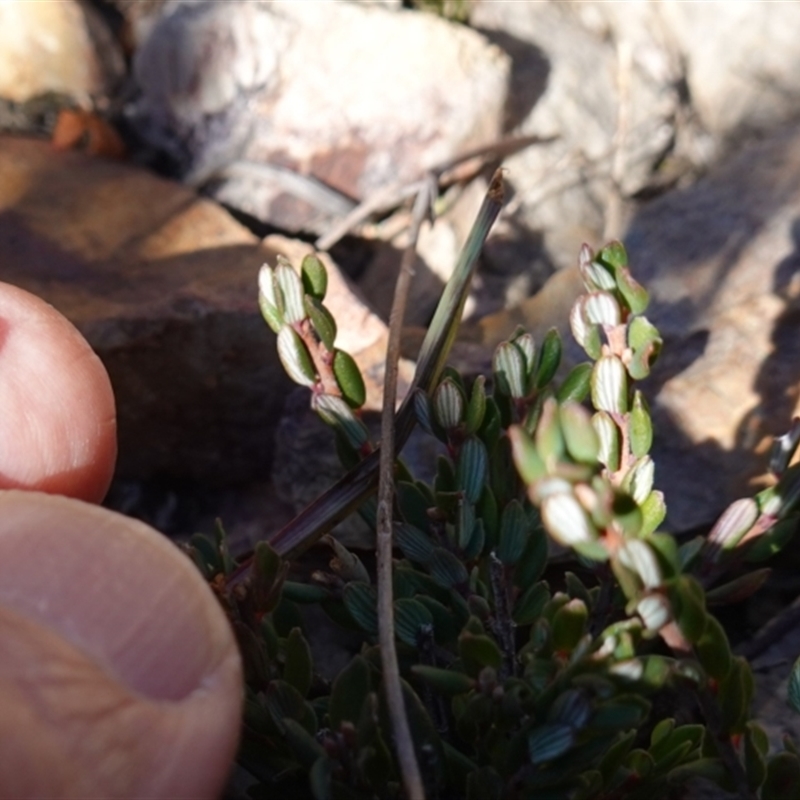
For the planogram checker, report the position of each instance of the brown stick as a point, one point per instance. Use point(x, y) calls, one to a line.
point(404, 745)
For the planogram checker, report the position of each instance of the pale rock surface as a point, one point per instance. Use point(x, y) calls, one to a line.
point(565, 85)
point(347, 95)
point(740, 60)
point(53, 47)
point(163, 285)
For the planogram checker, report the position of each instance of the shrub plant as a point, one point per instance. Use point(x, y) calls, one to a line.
point(553, 641)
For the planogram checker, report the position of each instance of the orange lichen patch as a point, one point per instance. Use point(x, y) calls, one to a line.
point(81, 130)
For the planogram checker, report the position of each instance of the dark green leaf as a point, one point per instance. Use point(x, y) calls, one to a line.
point(413, 505)
point(513, 533)
point(712, 649)
point(783, 778)
point(410, 619)
point(569, 625)
point(415, 544)
point(349, 691)
point(348, 376)
point(289, 283)
point(549, 358)
point(295, 357)
point(284, 701)
point(477, 652)
point(446, 569)
point(510, 370)
point(622, 713)
point(577, 384)
point(315, 277)
point(298, 666)
point(448, 682)
point(548, 742)
point(472, 468)
point(360, 600)
point(477, 405)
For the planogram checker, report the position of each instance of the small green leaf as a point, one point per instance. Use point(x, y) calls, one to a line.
point(348, 377)
point(304, 592)
point(640, 427)
point(712, 649)
point(346, 565)
point(583, 443)
point(298, 667)
point(295, 357)
point(471, 471)
point(596, 276)
point(566, 521)
point(548, 742)
point(465, 523)
point(415, 544)
point(654, 510)
point(478, 651)
point(448, 682)
point(410, 619)
point(446, 569)
point(349, 691)
point(690, 611)
point(314, 276)
point(635, 294)
point(610, 386)
point(322, 320)
point(584, 333)
point(529, 463)
point(572, 708)
point(577, 384)
point(569, 625)
point(549, 358)
point(284, 701)
point(622, 713)
point(754, 762)
point(477, 405)
point(530, 605)
point(737, 519)
point(608, 435)
point(361, 601)
point(448, 404)
point(614, 255)
point(783, 778)
point(510, 370)
point(532, 564)
point(548, 435)
point(739, 588)
point(513, 533)
point(289, 284)
point(601, 308)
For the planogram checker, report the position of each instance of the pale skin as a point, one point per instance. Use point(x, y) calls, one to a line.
point(119, 675)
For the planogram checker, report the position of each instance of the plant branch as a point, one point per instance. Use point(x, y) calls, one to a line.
point(404, 744)
point(350, 491)
point(444, 173)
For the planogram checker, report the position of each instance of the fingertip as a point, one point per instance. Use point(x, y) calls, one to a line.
point(58, 421)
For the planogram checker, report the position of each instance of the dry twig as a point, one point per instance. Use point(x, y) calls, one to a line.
point(404, 745)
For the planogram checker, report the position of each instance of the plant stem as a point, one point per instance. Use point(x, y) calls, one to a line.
point(403, 743)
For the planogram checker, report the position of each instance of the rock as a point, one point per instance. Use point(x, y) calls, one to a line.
point(741, 79)
point(56, 47)
point(565, 85)
point(163, 285)
point(318, 103)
